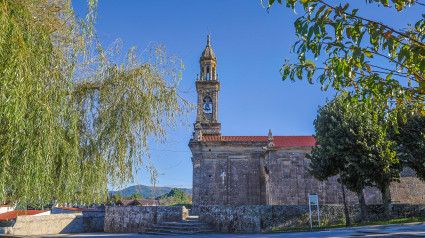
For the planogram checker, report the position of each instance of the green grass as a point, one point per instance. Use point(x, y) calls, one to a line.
point(393, 221)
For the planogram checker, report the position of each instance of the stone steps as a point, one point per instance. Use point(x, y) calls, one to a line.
point(192, 218)
point(178, 227)
point(174, 232)
point(190, 226)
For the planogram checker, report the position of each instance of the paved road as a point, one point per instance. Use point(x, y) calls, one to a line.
point(400, 230)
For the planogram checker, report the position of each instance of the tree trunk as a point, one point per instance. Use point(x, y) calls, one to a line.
point(347, 215)
point(386, 200)
point(362, 204)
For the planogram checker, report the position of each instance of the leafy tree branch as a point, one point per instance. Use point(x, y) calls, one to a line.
point(345, 50)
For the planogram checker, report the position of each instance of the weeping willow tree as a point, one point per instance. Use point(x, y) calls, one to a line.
point(74, 116)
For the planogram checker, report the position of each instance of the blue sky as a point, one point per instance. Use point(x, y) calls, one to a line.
point(251, 46)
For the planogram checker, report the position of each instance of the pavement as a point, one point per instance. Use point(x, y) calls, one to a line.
point(409, 230)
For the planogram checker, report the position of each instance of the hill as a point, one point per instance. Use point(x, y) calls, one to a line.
point(147, 191)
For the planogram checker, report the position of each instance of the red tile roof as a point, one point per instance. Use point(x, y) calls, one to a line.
point(125, 202)
point(13, 214)
point(279, 141)
point(147, 202)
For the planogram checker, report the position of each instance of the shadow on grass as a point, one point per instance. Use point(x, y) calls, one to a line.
point(342, 225)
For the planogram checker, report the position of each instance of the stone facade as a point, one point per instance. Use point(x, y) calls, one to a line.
point(409, 190)
point(242, 173)
point(262, 170)
point(288, 181)
point(134, 218)
point(222, 175)
point(257, 218)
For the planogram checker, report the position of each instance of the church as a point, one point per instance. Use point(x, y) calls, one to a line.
point(265, 169)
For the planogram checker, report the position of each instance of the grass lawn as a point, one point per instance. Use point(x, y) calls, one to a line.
point(315, 228)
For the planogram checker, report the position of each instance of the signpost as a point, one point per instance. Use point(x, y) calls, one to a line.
point(313, 200)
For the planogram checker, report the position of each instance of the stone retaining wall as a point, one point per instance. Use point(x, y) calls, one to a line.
point(55, 224)
point(257, 218)
point(134, 219)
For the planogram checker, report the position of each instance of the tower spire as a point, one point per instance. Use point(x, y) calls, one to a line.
point(208, 62)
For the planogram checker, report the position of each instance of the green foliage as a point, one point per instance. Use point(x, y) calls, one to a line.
point(175, 196)
point(411, 142)
point(136, 196)
point(115, 198)
point(362, 55)
point(74, 116)
point(178, 194)
point(351, 139)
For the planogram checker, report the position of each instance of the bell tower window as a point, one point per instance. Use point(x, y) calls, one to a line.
point(208, 73)
point(207, 105)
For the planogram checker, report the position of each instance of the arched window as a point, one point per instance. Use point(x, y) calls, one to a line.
point(207, 105)
point(208, 73)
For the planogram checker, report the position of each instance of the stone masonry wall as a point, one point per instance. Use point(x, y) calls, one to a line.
point(243, 173)
point(228, 175)
point(134, 218)
point(409, 190)
point(55, 224)
point(290, 183)
point(257, 218)
point(93, 221)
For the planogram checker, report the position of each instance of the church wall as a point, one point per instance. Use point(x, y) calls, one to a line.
point(409, 190)
point(227, 176)
point(196, 175)
point(244, 181)
point(289, 182)
point(237, 174)
point(214, 191)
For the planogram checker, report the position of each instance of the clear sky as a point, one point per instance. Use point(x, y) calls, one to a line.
point(250, 45)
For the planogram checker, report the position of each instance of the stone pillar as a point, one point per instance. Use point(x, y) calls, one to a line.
point(196, 183)
point(215, 102)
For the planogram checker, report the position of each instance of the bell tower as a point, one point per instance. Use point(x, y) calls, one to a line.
point(207, 87)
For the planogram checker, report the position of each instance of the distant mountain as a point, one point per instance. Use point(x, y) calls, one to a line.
point(147, 191)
